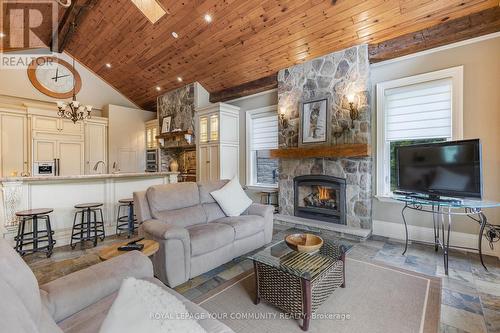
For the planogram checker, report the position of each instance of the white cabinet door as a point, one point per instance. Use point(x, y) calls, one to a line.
point(42, 123)
point(203, 163)
point(96, 148)
point(70, 154)
point(44, 150)
point(13, 145)
point(67, 127)
point(213, 166)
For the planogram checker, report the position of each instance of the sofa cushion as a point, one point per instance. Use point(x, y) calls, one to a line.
point(213, 211)
point(90, 319)
point(206, 188)
point(209, 237)
point(231, 198)
point(244, 225)
point(172, 196)
point(19, 277)
point(183, 217)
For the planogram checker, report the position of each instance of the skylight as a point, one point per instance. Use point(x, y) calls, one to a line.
point(151, 9)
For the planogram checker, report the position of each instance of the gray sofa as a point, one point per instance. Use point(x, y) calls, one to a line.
point(77, 302)
point(195, 235)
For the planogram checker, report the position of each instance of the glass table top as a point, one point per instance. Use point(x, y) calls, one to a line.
point(303, 265)
point(459, 203)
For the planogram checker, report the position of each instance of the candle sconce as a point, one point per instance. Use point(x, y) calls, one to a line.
point(283, 121)
point(353, 109)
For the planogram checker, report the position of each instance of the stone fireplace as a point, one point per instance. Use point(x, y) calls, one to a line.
point(320, 197)
point(333, 76)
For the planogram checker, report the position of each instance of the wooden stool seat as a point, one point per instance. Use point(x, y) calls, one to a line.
point(126, 201)
point(88, 205)
point(32, 212)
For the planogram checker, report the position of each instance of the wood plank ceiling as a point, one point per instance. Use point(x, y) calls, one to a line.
point(247, 39)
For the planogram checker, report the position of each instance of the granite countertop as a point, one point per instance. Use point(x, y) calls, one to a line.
point(84, 177)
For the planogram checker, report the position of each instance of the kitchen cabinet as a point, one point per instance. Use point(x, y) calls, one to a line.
point(217, 133)
point(70, 154)
point(14, 144)
point(96, 145)
point(152, 130)
point(57, 125)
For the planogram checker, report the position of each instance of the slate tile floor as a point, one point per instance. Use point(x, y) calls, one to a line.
point(470, 300)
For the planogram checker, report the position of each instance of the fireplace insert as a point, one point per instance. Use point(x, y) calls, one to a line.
point(320, 197)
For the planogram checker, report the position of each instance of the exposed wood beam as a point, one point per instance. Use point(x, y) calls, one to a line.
point(474, 25)
point(245, 89)
point(76, 13)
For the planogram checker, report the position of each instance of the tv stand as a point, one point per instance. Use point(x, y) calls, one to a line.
point(442, 211)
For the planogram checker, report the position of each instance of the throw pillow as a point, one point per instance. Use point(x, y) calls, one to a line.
point(142, 306)
point(231, 198)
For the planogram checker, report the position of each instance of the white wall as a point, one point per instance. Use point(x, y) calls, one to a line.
point(127, 138)
point(95, 91)
point(481, 105)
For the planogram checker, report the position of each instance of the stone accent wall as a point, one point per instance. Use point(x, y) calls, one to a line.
point(333, 76)
point(179, 104)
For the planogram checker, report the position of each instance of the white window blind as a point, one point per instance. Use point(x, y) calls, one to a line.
point(419, 111)
point(264, 133)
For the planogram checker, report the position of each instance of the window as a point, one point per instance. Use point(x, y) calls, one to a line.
point(262, 136)
point(419, 109)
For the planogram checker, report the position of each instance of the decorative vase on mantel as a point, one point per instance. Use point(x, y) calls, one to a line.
point(174, 166)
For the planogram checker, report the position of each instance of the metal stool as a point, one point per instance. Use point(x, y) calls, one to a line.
point(82, 231)
point(36, 236)
point(126, 222)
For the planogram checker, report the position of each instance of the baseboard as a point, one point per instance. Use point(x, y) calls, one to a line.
point(423, 234)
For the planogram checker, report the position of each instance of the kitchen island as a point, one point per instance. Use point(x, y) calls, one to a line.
point(62, 193)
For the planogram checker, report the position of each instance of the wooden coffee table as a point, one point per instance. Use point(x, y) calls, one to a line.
point(150, 248)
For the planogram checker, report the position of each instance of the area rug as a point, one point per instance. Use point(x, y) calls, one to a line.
point(377, 298)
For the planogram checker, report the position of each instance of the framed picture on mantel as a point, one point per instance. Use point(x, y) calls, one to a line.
point(314, 122)
point(165, 127)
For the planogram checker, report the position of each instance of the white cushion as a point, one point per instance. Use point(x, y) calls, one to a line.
point(142, 306)
point(232, 199)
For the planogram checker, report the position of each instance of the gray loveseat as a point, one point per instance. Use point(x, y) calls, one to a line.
point(77, 302)
point(195, 235)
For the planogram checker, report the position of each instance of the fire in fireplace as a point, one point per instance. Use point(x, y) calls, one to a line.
point(320, 197)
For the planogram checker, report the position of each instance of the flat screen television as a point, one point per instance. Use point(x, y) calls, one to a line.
point(450, 169)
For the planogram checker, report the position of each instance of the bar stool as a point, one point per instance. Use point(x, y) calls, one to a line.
point(126, 222)
point(35, 237)
point(82, 231)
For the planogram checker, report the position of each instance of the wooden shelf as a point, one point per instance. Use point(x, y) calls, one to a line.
point(173, 135)
point(345, 150)
point(183, 146)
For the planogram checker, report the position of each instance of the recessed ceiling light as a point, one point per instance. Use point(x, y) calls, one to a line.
point(208, 18)
point(174, 34)
point(108, 65)
point(2, 35)
point(158, 88)
point(179, 79)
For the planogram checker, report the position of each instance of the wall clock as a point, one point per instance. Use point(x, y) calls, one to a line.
point(54, 77)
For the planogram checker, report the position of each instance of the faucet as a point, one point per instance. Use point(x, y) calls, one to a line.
point(97, 165)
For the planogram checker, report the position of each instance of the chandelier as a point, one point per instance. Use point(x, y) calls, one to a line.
point(73, 110)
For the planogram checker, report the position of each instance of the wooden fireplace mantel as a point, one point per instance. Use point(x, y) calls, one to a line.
point(344, 150)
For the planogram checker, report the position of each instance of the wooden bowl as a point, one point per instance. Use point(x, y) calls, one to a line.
point(304, 242)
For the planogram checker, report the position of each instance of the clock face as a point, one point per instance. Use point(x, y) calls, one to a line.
point(54, 77)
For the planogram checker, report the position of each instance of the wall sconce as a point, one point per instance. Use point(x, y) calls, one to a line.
point(353, 109)
point(283, 122)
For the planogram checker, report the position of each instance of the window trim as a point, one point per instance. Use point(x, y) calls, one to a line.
point(383, 151)
point(250, 114)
